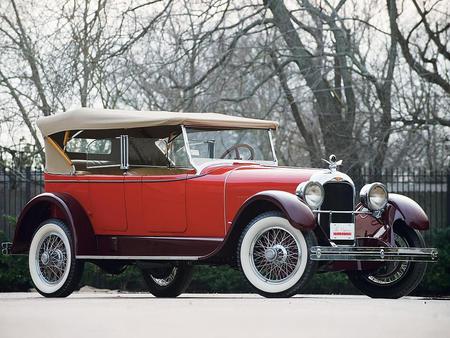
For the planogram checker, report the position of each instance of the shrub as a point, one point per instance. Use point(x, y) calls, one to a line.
point(14, 275)
point(437, 278)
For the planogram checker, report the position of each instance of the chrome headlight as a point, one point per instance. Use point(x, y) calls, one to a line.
point(312, 193)
point(374, 196)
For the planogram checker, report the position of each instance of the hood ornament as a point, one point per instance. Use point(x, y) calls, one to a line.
point(332, 163)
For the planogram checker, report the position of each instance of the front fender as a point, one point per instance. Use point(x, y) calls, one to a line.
point(409, 211)
point(298, 213)
point(54, 205)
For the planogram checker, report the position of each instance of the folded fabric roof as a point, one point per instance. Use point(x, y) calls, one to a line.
point(91, 119)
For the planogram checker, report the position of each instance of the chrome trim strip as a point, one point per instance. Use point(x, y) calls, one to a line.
point(341, 212)
point(121, 180)
point(377, 254)
point(92, 181)
point(124, 152)
point(272, 145)
point(159, 258)
point(103, 166)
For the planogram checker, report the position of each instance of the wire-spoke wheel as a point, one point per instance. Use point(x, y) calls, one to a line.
point(274, 256)
point(165, 280)
point(51, 258)
point(168, 281)
point(393, 279)
point(53, 268)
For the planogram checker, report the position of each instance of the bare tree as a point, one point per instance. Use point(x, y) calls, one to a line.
point(428, 58)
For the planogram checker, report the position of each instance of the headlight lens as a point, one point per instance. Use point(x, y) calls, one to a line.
point(312, 193)
point(374, 196)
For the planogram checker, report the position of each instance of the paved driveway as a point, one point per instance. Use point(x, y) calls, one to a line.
point(109, 315)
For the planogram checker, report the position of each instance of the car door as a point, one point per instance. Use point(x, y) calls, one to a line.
point(164, 202)
point(162, 189)
point(106, 186)
point(107, 199)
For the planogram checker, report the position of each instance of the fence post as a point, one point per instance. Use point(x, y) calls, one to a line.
point(27, 184)
point(448, 199)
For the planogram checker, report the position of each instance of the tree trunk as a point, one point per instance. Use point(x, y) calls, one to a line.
point(336, 129)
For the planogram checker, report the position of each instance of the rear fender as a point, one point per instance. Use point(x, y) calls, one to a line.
point(54, 205)
point(407, 210)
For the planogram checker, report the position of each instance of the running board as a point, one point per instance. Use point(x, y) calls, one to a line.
point(377, 254)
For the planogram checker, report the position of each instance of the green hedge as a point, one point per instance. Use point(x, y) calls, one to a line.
point(14, 276)
point(437, 278)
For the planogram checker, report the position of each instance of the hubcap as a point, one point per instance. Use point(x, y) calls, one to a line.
point(45, 258)
point(51, 258)
point(275, 255)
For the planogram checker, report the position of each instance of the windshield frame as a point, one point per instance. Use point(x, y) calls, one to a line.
point(200, 167)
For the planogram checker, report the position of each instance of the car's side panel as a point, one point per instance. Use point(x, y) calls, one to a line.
point(245, 182)
point(107, 200)
point(205, 209)
point(75, 186)
point(102, 196)
point(164, 204)
point(133, 203)
point(153, 247)
point(404, 208)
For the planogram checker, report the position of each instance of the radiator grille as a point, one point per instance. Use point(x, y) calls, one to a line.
point(338, 197)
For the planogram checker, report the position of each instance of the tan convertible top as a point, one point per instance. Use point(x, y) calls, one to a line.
point(89, 119)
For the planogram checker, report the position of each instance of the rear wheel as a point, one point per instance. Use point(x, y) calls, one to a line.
point(393, 279)
point(54, 270)
point(274, 256)
point(168, 281)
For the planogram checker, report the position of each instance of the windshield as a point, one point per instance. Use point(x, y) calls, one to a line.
point(238, 144)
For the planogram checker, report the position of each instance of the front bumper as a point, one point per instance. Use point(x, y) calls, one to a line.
point(373, 254)
point(6, 248)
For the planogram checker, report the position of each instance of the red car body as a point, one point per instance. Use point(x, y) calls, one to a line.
point(188, 216)
point(203, 213)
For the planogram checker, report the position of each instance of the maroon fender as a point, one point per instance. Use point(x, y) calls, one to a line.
point(54, 205)
point(298, 213)
point(404, 208)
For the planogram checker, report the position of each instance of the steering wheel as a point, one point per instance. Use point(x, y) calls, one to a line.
point(235, 148)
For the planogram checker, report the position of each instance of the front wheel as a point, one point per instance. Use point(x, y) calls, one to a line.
point(54, 270)
point(168, 281)
point(274, 256)
point(393, 279)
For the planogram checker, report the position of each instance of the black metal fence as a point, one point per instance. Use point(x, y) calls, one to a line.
point(17, 187)
point(431, 189)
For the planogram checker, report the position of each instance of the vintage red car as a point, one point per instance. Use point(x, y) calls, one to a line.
point(166, 191)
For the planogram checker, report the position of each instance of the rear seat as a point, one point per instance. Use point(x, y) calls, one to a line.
point(96, 167)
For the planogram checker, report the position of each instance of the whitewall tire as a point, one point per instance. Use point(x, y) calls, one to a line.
point(274, 256)
point(53, 268)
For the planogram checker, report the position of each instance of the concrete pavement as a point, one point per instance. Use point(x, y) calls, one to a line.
point(112, 314)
